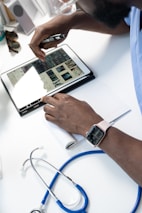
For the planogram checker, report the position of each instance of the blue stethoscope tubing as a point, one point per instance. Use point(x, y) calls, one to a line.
point(83, 209)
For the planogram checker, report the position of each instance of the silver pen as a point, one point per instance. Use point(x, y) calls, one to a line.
point(55, 37)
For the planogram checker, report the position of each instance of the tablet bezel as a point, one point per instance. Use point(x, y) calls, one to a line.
point(86, 76)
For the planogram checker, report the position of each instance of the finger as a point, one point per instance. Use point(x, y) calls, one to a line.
point(34, 44)
point(49, 117)
point(60, 96)
point(49, 100)
point(37, 51)
point(50, 113)
point(49, 109)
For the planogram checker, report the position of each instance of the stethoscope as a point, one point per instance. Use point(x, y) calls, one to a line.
point(83, 195)
point(41, 209)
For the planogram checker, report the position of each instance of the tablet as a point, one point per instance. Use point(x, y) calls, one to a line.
point(27, 83)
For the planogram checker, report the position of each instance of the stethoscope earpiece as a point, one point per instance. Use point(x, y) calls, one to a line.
point(66, 207)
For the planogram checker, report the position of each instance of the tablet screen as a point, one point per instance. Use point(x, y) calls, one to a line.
point(29, 82)
point(57, 70)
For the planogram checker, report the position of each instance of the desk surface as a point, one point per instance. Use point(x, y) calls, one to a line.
point(108, 187)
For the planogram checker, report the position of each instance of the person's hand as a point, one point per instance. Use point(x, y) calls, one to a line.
point(73, 115)
point(59, 24)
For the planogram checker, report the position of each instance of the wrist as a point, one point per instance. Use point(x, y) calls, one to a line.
point(88, 124)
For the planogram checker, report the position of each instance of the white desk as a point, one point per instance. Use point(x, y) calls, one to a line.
point(109, 189)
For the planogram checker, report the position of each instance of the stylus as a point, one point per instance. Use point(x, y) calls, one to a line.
point(55, 37)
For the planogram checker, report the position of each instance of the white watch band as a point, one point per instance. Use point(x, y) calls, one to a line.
point(104, 125)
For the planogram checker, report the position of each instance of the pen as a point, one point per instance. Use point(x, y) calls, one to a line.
point(55, 37)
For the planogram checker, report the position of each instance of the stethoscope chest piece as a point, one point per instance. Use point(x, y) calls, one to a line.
point(38, 210)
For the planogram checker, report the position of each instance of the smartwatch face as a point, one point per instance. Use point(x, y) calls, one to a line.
point(96, 135)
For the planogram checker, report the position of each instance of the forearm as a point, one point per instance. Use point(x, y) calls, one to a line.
point(83, 21)
point(77, 117)
point(126, 151)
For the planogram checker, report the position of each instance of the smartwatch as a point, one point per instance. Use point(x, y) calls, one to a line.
point(97, 132)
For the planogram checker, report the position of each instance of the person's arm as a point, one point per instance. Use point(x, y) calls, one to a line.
point(77, 116)
point(84, 21)
point(64, 23)
point(126, 151)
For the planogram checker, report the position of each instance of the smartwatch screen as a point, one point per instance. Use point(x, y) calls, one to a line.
point(96, 135)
